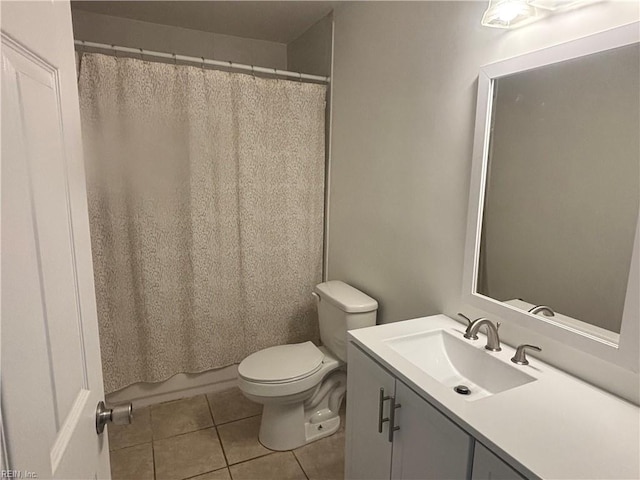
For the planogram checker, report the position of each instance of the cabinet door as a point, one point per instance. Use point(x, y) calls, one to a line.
point(427, 445)
point(368, 451)
point(487, 466)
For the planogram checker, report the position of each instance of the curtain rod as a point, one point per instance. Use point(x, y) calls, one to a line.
point(204, 61)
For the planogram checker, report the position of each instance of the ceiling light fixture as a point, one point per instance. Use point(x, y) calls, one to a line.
point(516, 13)
point(561, 5)
point(508, 14)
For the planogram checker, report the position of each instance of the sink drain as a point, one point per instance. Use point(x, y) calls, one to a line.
point(462, 389)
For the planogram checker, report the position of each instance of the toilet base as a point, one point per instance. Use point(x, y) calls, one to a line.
point(316, 431)
point(283, 427)
point(292, 424)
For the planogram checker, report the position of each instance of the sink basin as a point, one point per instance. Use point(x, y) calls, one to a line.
point(454, 361)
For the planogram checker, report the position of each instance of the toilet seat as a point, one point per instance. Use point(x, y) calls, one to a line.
point(282, 364)
point(288, 388)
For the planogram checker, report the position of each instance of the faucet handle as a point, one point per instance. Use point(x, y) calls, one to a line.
point(498, 325)
point(462, 315)
point(520, 357)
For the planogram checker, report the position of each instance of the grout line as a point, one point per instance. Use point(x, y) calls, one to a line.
point(224, 454)
point(228, 421)
point(129, 446)
point(183, 433)
point(238, 419)
point(210, 409)
point(153, 458)
point(271, 452)
point(300, 464)
point(204, 473)
point(133, 444)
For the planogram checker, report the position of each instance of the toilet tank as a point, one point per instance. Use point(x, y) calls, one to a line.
point(340, 308)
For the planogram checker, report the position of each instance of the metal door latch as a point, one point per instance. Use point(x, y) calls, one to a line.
point(119, 415)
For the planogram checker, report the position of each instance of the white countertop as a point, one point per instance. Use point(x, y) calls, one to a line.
point(555, 427)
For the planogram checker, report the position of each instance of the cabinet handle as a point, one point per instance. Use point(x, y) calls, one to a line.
point(392, 422)
point(383, 398)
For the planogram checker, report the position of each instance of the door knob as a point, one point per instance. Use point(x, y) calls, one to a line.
point(119, 415)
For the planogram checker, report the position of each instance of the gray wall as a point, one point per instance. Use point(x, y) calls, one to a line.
point(562, 197)
point(311, 51)
point(404, 93)
point(136, 34)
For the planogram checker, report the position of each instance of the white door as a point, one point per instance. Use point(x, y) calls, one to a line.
point(368, 449)
point(51, 376)
point(428, 445)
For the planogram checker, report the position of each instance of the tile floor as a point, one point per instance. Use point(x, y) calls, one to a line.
point(214, 437)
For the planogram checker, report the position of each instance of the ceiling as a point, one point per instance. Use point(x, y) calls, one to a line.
point(278, 21)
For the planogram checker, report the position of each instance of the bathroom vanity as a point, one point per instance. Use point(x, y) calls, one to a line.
point(425, 399)
point(405, 420)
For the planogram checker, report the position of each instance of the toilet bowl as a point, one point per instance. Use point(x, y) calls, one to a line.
point(301, 386)
point(286, 380)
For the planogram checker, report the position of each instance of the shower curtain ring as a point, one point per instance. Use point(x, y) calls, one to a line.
point(141, 55)
point(253, 72)
point(175, 59)
point(300, 76)
point(115, 50)
point(203, 63)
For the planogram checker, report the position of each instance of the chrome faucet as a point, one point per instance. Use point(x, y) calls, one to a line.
point(544, 309)
point(493, 340)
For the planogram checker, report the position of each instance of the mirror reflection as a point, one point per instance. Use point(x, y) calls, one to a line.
point(563, 188)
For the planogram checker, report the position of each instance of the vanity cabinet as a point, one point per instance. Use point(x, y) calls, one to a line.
point(368, 450)
point(499, 434)
point(424, 443)
point(487, 466)
point(427, 445)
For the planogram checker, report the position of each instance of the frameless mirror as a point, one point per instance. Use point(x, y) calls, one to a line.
point(555, 194)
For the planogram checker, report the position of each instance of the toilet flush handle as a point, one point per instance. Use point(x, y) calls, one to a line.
point(316, 296)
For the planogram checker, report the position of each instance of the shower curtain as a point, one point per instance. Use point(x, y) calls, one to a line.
point(206, 203)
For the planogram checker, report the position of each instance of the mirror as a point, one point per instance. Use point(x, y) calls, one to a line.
point(555, 193)
point(562, 189)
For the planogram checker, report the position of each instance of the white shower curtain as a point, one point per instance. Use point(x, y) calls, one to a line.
point(206, 201)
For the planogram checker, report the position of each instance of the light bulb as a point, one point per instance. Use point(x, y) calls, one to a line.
point(508, 11)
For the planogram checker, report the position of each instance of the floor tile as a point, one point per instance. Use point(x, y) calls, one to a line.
point(222, 474)
point(132, 463)
point(180, 416)
point(277, 466)
point(240, 440)
point(323, 459)
point(122, 436)
point(188, 455)
point(198, 454)
point(229, 405)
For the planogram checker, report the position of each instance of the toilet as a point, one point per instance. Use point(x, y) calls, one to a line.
point(301, 386)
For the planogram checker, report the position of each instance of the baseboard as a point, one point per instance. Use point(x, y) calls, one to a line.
point(179, 386)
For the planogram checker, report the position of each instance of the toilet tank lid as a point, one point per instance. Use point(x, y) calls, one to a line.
point(345, 297)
